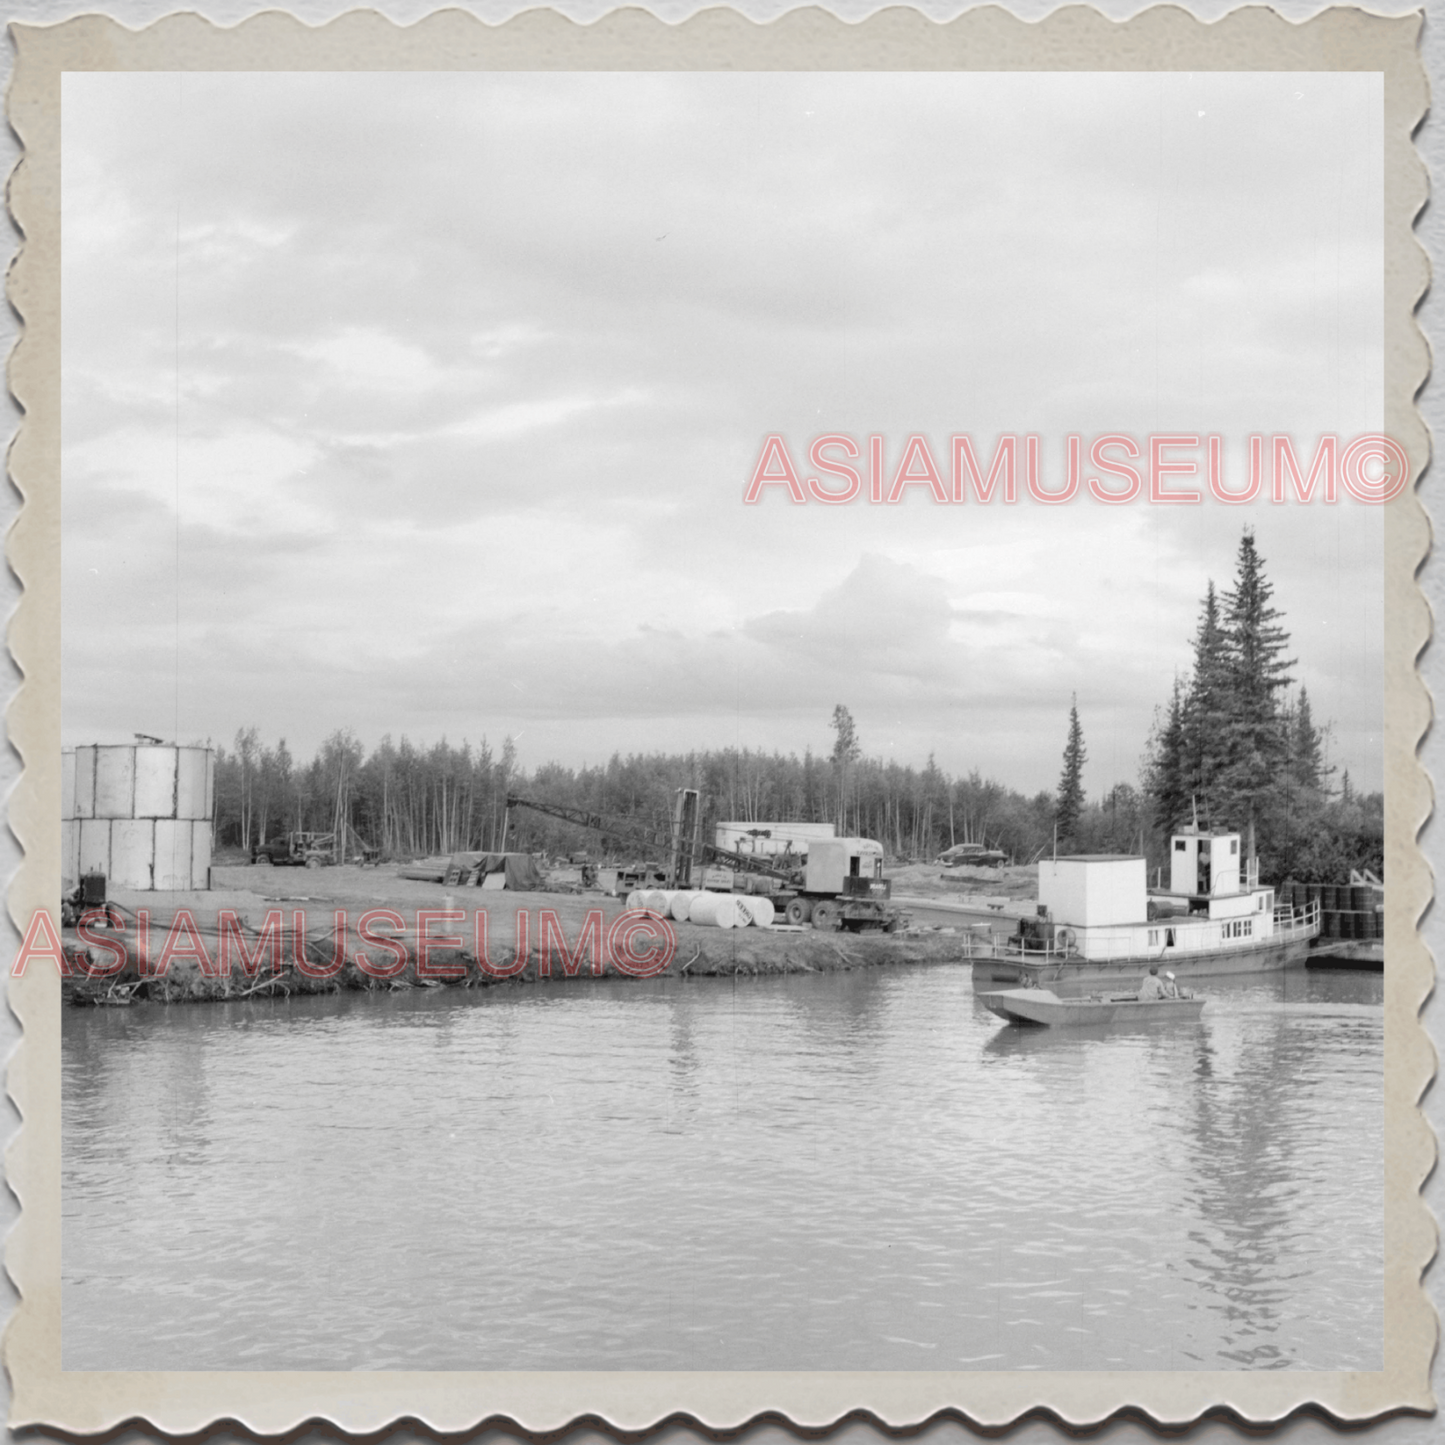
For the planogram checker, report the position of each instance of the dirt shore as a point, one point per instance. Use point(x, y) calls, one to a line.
point(318, 918)
point(968, 885)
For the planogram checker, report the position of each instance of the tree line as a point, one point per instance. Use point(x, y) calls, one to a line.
point(1233, 746)
point(1237, 748)
point(409, 801)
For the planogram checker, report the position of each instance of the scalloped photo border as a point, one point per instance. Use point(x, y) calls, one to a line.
point(1076, 38)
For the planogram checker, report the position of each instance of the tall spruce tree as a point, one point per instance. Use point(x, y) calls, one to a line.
point(1255, 732)
point(1205, 712)
point(1254, 760)
point(1071, 783)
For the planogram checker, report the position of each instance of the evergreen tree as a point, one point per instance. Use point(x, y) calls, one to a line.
point(1293, 814)
point(1306, 752)
point(1253, 762)
point(1254, 734)
point(1071, 783)
point(1167, 775)
point(1204, 716)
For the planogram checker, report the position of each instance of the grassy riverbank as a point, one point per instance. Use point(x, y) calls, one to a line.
point(530, 938)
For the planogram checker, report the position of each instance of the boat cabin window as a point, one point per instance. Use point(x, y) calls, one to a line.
point(1153, 938)
point(1233, 846)
point(1168, 938)
point(1179, 845)
point(853, 863)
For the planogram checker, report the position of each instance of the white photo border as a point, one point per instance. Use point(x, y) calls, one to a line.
point(1072, 38)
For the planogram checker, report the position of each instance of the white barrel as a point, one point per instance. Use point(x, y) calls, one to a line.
point(682, 904)
point(761, 910)
point(714, 910)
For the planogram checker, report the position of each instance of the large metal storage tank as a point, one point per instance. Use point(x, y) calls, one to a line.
point(141, 814)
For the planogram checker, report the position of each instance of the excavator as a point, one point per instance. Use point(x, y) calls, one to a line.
point(839, 885)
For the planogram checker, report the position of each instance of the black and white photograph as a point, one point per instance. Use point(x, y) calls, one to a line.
point(723, 721)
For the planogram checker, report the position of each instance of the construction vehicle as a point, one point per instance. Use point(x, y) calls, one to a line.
point(316, 850)
point(632, 876)
point(840, 884)
point(296, 850)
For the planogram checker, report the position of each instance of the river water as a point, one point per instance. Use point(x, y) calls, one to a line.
point(851, 1171)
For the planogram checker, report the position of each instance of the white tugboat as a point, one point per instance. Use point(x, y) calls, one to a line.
point(1099, 925)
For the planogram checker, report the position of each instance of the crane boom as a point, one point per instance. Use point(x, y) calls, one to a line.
point(833, 891)
point(676, 841)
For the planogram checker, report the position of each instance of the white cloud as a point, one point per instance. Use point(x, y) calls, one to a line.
point(472, 371)
point(247, 480)
point(519, 417)
point(371, 360)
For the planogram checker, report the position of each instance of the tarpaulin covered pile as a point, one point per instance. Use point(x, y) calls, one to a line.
point(519, 869)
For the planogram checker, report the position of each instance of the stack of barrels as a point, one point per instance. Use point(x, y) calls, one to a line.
point(1349, 911)
point(713, 910)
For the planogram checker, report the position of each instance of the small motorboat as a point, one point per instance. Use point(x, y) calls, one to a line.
point(1042, 1006)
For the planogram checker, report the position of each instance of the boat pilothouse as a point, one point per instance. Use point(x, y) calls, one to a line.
point(1221, 909)
point(1098, 917)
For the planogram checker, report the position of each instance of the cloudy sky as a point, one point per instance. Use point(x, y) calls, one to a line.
point(425, 404)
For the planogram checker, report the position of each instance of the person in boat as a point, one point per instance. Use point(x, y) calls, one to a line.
point(1153, 985)
point(1171, 989)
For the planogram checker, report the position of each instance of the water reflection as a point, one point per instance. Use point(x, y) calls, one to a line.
point(858, 1171)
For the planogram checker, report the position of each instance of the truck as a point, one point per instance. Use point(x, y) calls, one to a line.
point(974, 855)
point(839, 884)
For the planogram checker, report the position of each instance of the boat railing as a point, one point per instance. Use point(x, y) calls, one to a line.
point(1000, 945)
point(1023, 950)
point(1292, 923)
point(980, 941)
point(1289, 924)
